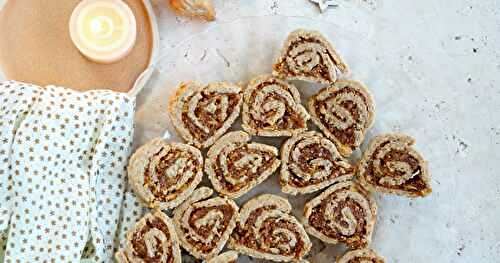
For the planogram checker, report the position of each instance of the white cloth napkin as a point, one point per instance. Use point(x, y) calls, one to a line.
point(62, 172)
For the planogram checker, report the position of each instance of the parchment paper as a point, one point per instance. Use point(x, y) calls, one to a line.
point(236, 52)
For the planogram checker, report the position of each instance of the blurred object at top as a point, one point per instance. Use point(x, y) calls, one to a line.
point(194, 8)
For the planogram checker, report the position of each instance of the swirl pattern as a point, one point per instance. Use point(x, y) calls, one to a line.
point(391, 165)
point(235, 166)
point(202, 114)
point(361, 256)
point(152, 239)
point(309, 56)
point(272, 108)
point(266, 230)
point(311, 162)
point(226, 257)
point(343, 112)
point(204, 224)
point(344, 213)
point(164, 174)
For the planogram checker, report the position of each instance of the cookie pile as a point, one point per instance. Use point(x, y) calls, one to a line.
point(165, 175)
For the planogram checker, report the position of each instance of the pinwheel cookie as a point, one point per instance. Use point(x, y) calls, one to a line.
point(361, 256)
point(204, 224)
point(201, 114)
point(272, 108)
point(234, 165)
point(311, 162)
point(226, 257)
point(164, 174)
point(344, 213)
point(343, 112)
point(266, 230)
point(308, 55)
point(152, 239)
point(391, 165)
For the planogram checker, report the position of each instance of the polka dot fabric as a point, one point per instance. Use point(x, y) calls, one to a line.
point(63, 156)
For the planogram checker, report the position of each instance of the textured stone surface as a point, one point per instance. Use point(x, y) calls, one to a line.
point(434, 70)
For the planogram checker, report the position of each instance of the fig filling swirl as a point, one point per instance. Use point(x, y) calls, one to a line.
point(361, 256)
point(242, 165)
point(235, 165)
point(273, 235)
point(205, 113)
point(204, 224)
point(267, 231)
point(343, 213)
point(201, 114)
point(157, 247)
point(391, 165)
point(152, 239)
point(344, 112)
point(308, 55)
point(163, 174)
point(311, 162)
point(172, 174)
point(272, 108)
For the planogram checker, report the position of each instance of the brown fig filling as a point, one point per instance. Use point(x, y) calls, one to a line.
point(205, 231)
point(320, 70)
point(290, 120)
point(163, 181)
point(318, 221)
point(246, 171)
point(364, 260)
point(140, 248)
point(308, 154)
point(347, 136)
point(414, 184)
point(267, 238)
point(213, 120)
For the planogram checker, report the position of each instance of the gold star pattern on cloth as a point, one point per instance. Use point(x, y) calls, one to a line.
point(62, 161)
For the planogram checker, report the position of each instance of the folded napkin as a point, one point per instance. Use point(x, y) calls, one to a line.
point(62, 172)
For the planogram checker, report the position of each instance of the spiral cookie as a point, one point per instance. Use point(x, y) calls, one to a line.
point(202, 114)
point(344, 213)
point(311, 162)
point(309, 56)
point(344, 112)
point(272, 108)
point(361, 256)
point(266, 230)
point(226, 257)
point(153, 239)
point(235, 166)
point(164, 174)
point(391, 165)
point(204, 224)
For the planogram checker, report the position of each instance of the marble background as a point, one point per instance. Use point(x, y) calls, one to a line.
point(434, 69)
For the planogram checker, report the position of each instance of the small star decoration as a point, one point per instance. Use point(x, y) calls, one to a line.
point(324, 4)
